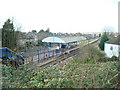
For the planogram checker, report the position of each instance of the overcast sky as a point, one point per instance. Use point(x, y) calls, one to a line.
point(69, 16)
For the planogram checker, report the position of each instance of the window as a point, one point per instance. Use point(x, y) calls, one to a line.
point(111, 48)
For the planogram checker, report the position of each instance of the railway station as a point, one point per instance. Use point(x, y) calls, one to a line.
point(57, 47)
point(61, 44)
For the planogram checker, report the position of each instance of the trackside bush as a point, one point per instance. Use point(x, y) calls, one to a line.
point(114, 58)
point(105, 59)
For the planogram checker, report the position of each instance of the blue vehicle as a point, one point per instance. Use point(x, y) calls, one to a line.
point(10, 57)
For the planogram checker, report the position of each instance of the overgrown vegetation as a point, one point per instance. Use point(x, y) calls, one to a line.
point(40, 43)
point(84, 71)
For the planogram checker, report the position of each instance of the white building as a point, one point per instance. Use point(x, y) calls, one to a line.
point(112, 47)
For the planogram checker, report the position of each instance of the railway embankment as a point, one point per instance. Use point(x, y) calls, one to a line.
point(64, 56)
point(82, 71)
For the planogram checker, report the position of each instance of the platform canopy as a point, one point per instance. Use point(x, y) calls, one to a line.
point(53, 40)
point(62, 39)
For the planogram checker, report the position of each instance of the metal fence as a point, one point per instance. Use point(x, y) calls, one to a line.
point(40, 55)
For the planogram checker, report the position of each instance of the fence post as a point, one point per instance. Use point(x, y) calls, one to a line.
point(48, 53)
point(32, 54)
point(44, 54)
point(53, 53)
point(38, 56)
point(32, 58)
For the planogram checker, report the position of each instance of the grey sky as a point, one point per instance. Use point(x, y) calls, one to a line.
point(61, 15)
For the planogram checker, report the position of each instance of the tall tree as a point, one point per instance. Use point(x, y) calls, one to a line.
point(41, 31)
point(34, 31)
point(48, 30)
point(9, 35)
point(104, 38)
point(109, 31)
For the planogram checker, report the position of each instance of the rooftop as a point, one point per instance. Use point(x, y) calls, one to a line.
point(63, 39)
point(115, 40)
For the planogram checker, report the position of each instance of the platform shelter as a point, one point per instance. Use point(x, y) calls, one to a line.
point(62, 43)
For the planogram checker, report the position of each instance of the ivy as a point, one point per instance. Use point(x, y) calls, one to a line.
point(75, 74)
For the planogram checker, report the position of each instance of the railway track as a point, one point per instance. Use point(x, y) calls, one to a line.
point(61, 57)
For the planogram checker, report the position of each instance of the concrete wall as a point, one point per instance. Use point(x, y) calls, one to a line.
point(0, 38)
point(112, 52)
point(0, 44)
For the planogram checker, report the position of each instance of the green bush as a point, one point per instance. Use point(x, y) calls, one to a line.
point(103, 59)
point(90, 62)
point(114, 58)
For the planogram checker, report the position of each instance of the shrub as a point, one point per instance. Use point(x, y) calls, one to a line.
point(103, 59)
point(114, 58)
point(104, 38)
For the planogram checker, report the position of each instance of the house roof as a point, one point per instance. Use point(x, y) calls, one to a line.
point(115, 40)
